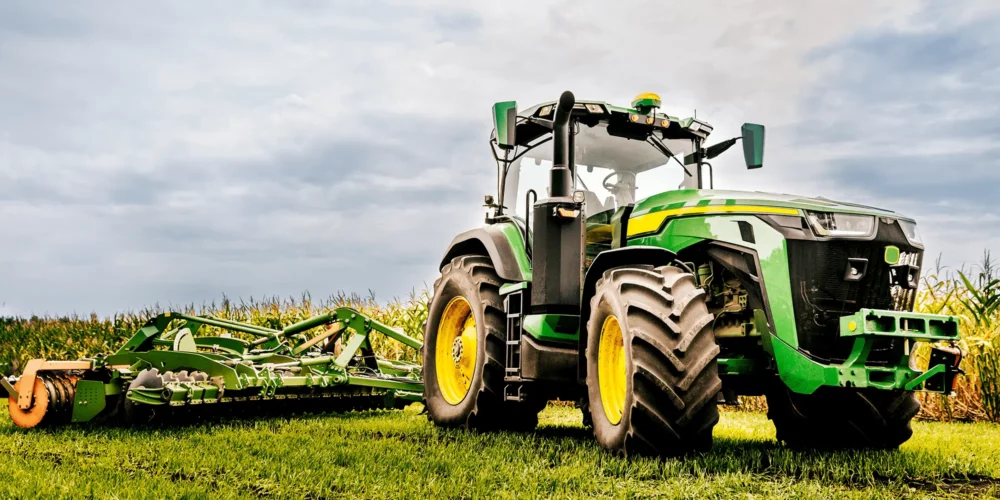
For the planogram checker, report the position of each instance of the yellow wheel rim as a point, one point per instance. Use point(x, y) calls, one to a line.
point(611, 372)
point(455, 350)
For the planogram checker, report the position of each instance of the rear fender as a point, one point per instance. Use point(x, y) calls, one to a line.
point(502, 242)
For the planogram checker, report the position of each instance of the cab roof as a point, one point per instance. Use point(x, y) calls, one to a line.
point(629, 123)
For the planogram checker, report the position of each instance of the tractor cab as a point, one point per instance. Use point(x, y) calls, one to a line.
point(622, 154)
point(618, 157)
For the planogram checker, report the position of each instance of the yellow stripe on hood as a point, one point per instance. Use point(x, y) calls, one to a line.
point(650, 222)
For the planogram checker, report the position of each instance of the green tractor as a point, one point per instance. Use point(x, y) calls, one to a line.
point(594, 280)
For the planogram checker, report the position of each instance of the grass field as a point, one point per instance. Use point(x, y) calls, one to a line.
point(398, 454)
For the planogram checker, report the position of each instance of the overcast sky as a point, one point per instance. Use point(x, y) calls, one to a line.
point(172, 152)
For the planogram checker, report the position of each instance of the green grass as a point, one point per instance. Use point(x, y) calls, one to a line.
point(400, 455)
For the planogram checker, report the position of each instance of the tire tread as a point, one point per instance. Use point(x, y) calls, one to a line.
point(842, 418)
point(673, 351)
point(491, 411)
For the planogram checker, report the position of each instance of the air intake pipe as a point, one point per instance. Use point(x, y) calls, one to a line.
point(557, 246)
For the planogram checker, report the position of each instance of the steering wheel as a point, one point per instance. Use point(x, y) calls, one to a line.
point(624, 176)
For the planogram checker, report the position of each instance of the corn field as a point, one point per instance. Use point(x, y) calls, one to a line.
point(973, 293)
point(74, 337)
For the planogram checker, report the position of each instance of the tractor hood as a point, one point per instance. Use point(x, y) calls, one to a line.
point(711, 197)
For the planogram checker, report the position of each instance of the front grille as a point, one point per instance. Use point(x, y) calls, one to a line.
point(821, 295)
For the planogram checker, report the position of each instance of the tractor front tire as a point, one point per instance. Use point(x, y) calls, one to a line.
point(464, 352)
point(839, 418)
point(652, 372)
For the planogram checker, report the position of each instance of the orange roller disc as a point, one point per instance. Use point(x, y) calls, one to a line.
point(32, 416)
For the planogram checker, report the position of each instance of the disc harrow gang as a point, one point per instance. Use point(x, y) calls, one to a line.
point(166, 373)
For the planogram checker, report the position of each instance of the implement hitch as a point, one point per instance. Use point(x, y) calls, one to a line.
point(869, 324)
point(803, 374)
point(325, 363)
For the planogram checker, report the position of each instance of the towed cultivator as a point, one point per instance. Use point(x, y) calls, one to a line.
point(322, 363)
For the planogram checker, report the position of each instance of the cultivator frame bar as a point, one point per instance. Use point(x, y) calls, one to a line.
point(165, 365)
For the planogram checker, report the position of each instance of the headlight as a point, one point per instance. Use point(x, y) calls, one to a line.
point(910, 230)
point(831, 224)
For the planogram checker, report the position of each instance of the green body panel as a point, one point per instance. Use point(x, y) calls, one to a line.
point(799, 372)
point(89, 400)
point(516, 242)
point(707, 215)
point(553, 327)
point(701, 197)
point(683, 232)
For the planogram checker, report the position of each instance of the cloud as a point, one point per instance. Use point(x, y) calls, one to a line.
point(165, 152)
point(910, 119)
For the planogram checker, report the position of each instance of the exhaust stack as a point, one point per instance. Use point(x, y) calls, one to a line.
point(557, 247)
point(561, 175)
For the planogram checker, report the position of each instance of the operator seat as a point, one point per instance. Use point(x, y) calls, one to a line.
point(592, 203)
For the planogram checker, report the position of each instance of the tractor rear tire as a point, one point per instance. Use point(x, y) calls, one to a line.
point(471, 395)
point(650, 338)
point(839, 418)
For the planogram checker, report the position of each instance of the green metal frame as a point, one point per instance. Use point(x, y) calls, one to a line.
point(294, 362)
point(516, 242)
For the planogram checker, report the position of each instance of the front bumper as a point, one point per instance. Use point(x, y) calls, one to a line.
point(869, 324)
point(804, 374)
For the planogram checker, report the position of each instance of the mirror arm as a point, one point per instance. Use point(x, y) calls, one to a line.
point(542, 121)
point(717, 149)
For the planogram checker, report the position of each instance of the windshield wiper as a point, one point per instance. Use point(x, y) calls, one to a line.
point(662, 148)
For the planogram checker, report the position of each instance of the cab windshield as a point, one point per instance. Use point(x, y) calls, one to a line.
point(611, 171)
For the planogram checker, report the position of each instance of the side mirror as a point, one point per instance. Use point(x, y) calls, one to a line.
point(505, 122)
point(753, 144)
